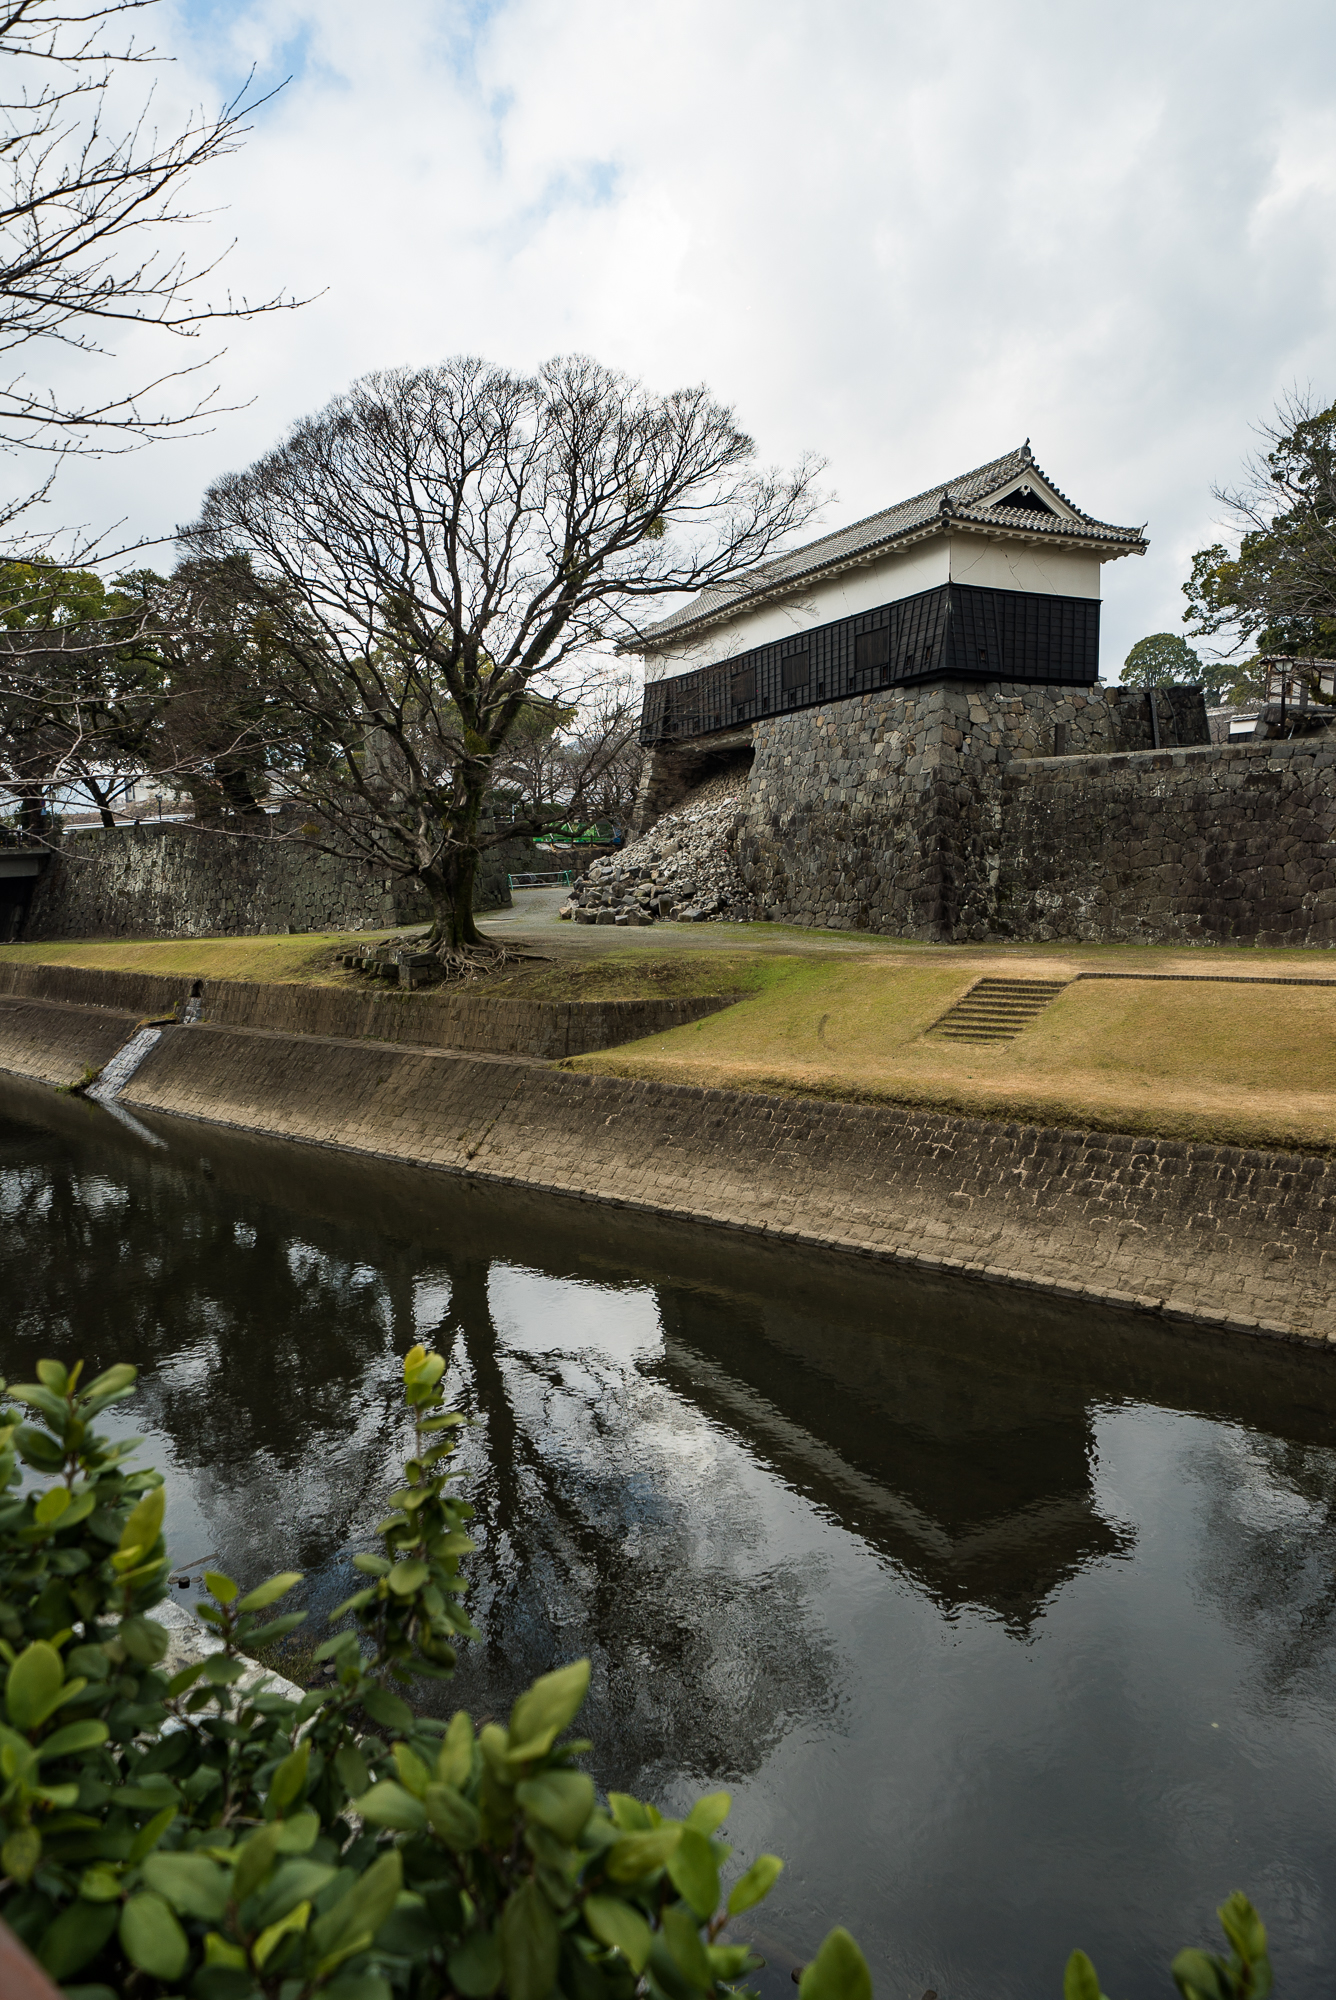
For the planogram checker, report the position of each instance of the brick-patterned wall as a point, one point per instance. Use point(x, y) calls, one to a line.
point(1241, 1239)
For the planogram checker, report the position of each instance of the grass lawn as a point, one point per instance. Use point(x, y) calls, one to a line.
point(1240, 1063)
point(305, 957)
point(1244, 1064)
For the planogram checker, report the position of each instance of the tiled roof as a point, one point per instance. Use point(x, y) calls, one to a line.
point(963, 499)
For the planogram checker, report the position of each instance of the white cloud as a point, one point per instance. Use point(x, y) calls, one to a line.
point(903, 237)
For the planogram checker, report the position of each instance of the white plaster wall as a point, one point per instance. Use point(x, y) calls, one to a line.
point(922, 567)
point(1021, 566)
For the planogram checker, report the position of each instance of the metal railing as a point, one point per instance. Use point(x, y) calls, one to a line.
point(555, 878)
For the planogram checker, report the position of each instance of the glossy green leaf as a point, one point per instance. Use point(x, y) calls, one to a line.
point(100, 1884)
point(77, 1935)
point(475, 1966)
point(191, 1883)
point(616, 1923)
point(255, 1858)
point(453, 1817)
point(288, 1783)
point(454, 1761)
point(1080, 1981)
point(292, 1882)
point(413, 1773)
point(34, 1685)
point(361, 1912)
point(694, 1872)
point(1199, 1976)
point(269, 1593)
point(683, 1939)
point(112, 1381)
point(351, 1767)
point(152, 1939)
point(838, 1972)
point(144, 1523)
point(1245, 1931)
point(406, 1577)
point(21, 1853)
point(149, 1835)
point(53, 1376)
point(387, 1709)
point(298, 1832)
point(143, 1639)
point(628, 1813)
point(710, 1812)
point(755, 1885)
point(73, 1737)
point(388, 1804)
point(545, 1709)
point(220, 1586)
point(559, 1800)
point(51, 1506)
point(529, 1942)
point(639, 1854)
point(272, 1935)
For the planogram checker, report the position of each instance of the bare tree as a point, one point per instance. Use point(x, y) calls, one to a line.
point(440, 548)
point(90, 214)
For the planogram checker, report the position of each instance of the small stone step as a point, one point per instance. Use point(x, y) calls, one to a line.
point(996, 1010)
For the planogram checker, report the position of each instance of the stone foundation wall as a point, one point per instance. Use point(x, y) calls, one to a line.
point(941, 813)
point(1196, 846)
point(853, 809)
point(161, 879)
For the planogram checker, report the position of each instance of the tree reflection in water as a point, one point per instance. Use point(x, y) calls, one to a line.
point(845, 1540)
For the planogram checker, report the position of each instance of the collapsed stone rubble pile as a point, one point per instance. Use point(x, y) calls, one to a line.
point(682, 868)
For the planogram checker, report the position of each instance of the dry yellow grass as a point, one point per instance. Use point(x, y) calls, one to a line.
point(1247, 1064)
point(305, 957)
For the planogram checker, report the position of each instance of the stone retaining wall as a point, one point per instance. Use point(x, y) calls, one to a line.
point(1243, 1240)
point(1235, 841)
point(940, 813)
point(161, 879)
point(59, 1045)
point(544, 1029)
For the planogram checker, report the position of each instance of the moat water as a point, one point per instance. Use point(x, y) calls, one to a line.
point(1011, 1627)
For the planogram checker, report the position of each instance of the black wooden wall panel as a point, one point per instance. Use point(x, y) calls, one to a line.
point(955, 632)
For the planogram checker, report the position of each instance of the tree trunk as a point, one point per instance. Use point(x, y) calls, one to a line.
point(450, 885)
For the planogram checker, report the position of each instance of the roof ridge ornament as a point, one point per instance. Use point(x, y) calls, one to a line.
point(1026, 452)
point(948, 505)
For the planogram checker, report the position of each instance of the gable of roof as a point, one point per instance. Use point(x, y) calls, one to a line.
point(968, 499)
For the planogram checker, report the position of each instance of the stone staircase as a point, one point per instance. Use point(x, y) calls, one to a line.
point(995, 1010)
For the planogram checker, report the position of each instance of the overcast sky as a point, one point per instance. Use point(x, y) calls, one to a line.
point(904, 237)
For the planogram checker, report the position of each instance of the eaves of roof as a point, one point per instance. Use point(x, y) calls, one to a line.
point(956, 504)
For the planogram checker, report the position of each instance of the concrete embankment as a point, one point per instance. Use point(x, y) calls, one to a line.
point(544, 1029)
point(1232, 1239)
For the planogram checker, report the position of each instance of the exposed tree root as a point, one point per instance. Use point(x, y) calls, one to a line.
point(482, 960)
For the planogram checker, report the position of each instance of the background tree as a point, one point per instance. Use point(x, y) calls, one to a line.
point(440, 548)
point(1160, 659)
point(1275, 593)
point(80, 690)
